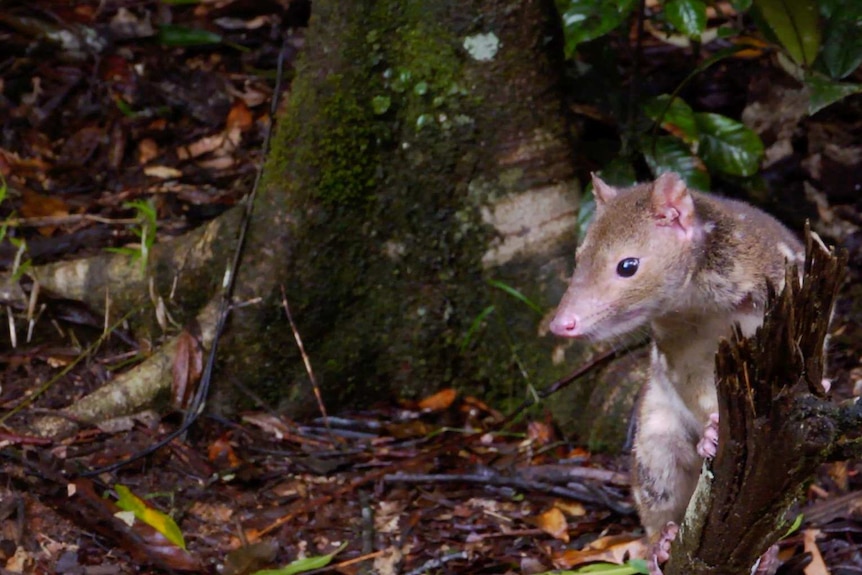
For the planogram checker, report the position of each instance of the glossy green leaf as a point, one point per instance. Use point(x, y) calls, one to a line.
point(741, 5)
point(670, 154)
point(687, 16)
point(631, 567)
point(796, 24)
point(842, 37)
point(674, 115)
point(822, 92)
point(585, 20)
point(728, 146)
point(303, 565)
point(171, 35)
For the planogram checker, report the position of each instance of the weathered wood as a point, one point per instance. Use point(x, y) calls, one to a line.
point(776, 425)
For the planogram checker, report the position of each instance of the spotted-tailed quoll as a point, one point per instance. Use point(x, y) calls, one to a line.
point(688, 265)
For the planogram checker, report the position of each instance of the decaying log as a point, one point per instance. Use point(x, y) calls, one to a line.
point(776, 426)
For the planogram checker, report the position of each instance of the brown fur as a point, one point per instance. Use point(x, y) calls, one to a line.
point(703, 264)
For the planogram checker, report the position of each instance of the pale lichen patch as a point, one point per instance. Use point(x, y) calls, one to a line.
point(530, 222)
point(482, 47)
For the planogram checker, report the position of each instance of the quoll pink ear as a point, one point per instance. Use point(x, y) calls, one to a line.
point(672, 204)
point(602, 191)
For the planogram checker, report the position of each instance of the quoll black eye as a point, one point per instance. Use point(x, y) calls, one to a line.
point(627, 267)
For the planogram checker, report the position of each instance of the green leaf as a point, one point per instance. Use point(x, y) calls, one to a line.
point(161, 522)
point(796, 24)
point(670, 154)
point(516, 294)
point(172, 35)
point(797, 523)
point(728, 146)
point(741, 5)
point(687, 16)
point(842, 37)
point(674, 115)
point(823, 92)
point(631, 567)
point(475, 325)
point(303, 565)
point(585, 20)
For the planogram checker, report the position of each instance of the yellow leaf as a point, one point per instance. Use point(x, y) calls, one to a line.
point(161, 522)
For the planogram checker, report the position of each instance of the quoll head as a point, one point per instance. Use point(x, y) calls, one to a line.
point(635, 261)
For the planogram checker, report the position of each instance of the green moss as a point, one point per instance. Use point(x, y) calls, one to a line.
point(348, 151)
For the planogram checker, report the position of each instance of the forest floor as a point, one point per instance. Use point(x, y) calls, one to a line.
point(107, 120)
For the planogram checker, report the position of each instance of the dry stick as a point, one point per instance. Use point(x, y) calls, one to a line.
point(459, 443)
point(197, 403)
point(62, 220)
point(595, 497)
point(595, 363)
point(307, 363)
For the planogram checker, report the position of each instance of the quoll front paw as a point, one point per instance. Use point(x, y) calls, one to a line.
point(707, 447)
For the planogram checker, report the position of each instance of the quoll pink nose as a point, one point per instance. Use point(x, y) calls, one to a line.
point(563, 326)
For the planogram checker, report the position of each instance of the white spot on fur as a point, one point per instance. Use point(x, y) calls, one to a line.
point(737, 235)
point(708, 227)
point(741, 216)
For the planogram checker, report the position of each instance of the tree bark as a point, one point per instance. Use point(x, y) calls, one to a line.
point(424, 151)
point(421, 173)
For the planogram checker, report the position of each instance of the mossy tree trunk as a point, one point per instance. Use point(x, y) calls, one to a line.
point(423, 151)
point(421, 171)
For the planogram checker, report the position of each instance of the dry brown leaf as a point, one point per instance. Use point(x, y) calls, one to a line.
point(187, 369)
point(162, 172)
point(239, 117)
point(221, 453)
point(540, 433)
point(578, 453)
point(553, 522)
point(36, 205)
point(611, 549)
point(219, 163)
point(439, 401)
point(148, 149)
point(570, 508)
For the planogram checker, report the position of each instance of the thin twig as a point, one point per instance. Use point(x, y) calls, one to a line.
point(596, 363)
point(307, 362)
point(63, 220)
